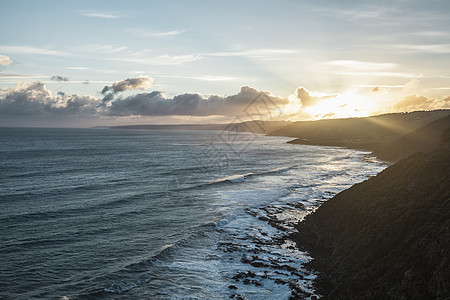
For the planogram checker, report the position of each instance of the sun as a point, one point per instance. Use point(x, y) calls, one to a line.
point(346, 105)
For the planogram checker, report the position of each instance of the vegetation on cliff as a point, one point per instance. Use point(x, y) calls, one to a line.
point(369, 133)
point(423, 139)
point(388, 237)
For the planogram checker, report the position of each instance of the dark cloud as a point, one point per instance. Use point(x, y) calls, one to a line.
point(156, 104)
point(35, 100)
point(307, 99)
point(129, 84)
point(376, 89)
point(59, 78)
point(416, 102)
point(125, 85)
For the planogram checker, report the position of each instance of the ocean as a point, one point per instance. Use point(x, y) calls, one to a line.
point(135, 214)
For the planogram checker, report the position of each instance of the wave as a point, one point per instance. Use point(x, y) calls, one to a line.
point(87, 207)
point(241, 177)
point(165, 254)
point(237, 178)
point(234, 178)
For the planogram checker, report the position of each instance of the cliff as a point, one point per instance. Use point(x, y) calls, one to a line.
point(423, 139)
point(388, 237)
point(368, 133)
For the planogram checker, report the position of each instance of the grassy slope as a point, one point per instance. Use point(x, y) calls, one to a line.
point(387, 237)
point(363, 133)
point(423, 139)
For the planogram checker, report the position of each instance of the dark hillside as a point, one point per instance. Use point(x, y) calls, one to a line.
point(362, 133)
point(423, 139)
point(388, 237)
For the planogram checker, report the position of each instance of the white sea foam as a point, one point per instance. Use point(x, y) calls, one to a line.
point(146, 236)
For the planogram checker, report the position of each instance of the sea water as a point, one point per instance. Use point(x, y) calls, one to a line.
point(130, 214)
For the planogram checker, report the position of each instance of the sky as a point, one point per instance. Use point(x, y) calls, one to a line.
point(88, 63)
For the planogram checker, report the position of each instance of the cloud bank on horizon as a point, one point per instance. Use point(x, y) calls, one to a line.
point(34, 102)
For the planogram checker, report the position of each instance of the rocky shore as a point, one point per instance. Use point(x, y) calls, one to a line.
point(387, 237)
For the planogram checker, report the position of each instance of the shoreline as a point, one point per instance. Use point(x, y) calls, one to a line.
point(380, 260)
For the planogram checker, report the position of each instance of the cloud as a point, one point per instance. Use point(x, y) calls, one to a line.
point(156, 34)
point(367, 68)
point(379, 74)
point(59, 78)
point(34, 103)
point(128, 84)
point(380, 86)
point(31, 50)
point(417, 102)
point(156, 104)
point(97, 48)
point(211, 78)
point(307, 99)
point(428, 48)
point(13, 75)
point(5, 60)
point(165, 59)
point(361, 65)
point(103, 15)
point(259, 54)
point(35, 100)
point(412, 85)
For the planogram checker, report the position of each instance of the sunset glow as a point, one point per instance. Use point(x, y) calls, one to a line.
point(208, 61)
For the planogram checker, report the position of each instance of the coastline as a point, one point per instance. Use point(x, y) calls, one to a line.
point(305, 241)
point(262, 259)
point(387, 237)
point(318, 234)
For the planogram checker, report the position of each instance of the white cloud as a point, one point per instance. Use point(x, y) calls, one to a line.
point(5, 60)
point(380, 86)
point(13, 75)
point(165, 59)
point(379, 74)
point(429, 48)
point(156, 34)
point(96, 48)
point(103, 15)
point(34, 99)
point(308, 98)
point(418, 102)
point(441, 88)
point(361, 65)
point(211, 78)
point(412, 85)
point(31, 50)
point(431, 33)
point(261, 54)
